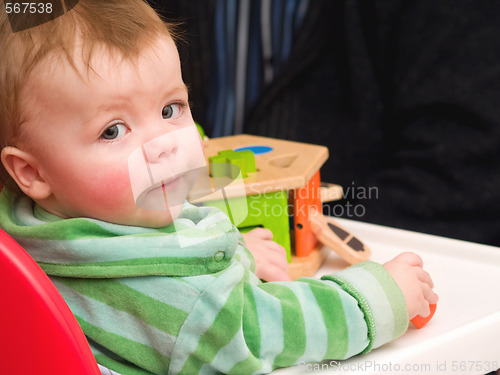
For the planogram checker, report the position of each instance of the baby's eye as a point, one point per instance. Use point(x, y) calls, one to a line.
point(170, 111)
point(115, 131)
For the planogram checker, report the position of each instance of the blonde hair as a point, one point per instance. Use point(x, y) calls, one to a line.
point(122, 27)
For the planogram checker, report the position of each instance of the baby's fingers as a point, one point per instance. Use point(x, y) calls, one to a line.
point(430, 296)
point(427, 298)
point(262, 233)
point(277, 255)
point(424, 277)
point(427, 288)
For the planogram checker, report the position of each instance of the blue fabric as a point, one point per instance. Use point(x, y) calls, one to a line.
point(285, 22)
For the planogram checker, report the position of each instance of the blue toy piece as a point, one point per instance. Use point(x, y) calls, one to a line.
point(257, 150)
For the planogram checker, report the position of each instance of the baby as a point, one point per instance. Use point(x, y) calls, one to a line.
point(99, 152)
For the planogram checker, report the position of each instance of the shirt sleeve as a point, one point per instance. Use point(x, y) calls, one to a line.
point(379, 297)
point(245, 326)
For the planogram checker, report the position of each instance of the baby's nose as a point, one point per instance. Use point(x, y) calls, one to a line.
point(160, 147)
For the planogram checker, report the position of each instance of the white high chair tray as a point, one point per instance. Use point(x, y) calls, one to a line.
point(463, 337)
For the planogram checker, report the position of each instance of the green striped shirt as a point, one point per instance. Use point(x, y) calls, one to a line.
point(185, 299)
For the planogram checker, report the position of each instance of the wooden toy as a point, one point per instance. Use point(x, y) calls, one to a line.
point(278, 186)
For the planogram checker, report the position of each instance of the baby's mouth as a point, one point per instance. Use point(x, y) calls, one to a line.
point(171, 184)
point(168, 184)
point(163, 194)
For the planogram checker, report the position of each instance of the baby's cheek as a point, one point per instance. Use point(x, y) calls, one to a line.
point(111, 190)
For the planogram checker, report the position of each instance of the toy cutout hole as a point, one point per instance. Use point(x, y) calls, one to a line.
point(283, 161)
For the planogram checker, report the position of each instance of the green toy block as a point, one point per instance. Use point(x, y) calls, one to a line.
point(220, 165)
point(269, 210)
point(200, 130)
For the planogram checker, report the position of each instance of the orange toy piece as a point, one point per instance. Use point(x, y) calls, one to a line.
point(304, 199)
point(420, 322)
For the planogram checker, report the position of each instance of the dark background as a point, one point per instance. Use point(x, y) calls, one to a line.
point(405, 94)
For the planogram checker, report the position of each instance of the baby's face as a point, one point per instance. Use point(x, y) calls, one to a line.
point(119, 145)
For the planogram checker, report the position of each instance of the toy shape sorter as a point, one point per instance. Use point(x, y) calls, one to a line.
point(275, 184)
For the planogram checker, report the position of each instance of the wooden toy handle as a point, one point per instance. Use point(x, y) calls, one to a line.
point(340, 240)
point(330, 192)
point(420, 322)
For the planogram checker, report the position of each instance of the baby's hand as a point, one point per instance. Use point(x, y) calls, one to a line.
point(414, 282)
point(270, 257)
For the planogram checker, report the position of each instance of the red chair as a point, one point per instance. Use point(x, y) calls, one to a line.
point(38, 333)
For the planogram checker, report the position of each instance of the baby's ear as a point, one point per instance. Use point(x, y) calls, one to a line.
point(23, 168)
